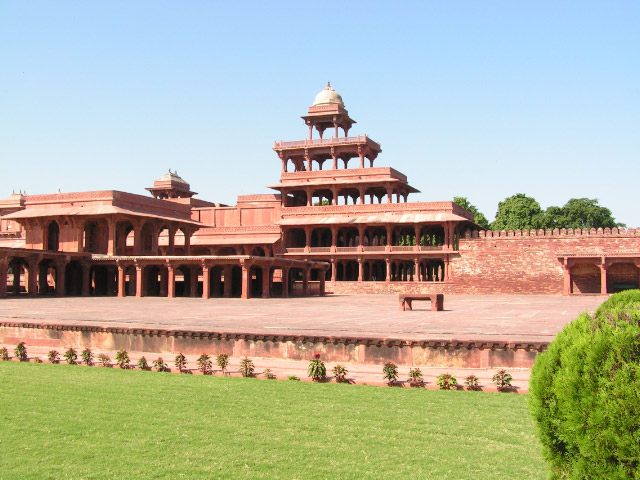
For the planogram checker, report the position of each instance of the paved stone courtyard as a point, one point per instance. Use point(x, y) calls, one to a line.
point(492, 317)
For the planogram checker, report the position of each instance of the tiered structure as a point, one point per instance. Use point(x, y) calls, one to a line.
point(359, 218)
point(336, 219)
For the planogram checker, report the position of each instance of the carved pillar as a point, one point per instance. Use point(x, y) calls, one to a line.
point(4, 267)
point(323, 283)
point(334, 158)
point(32, 280)
point(139, 280)
point(187, 242)
point(307, 234)
point(60, 271)
point(389, 229)
point(305, 281)
point(334, 237)
point(206, 285)
point(334, 196)
point(193, 281)
point(566, 286)
point(171, 281)
point(416, 269)
point(360, 196)
point(603, 277)
point(227, 281)
point(246, 280)
point(333, 269)
point(360, 269)
point(360, 237)
point(308, 160)
point(111, 237)
point(172, 241)
point(266, 281)
point(447, 269)
point(285, 282)
point(361, 155)
point(120, 280)
point(388, 272)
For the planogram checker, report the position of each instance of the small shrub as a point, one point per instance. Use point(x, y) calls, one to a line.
point(21, 352)
point(446, 381)
point(340, 373)
point(104, 360)
point(71, 356)
point(160, 365)
point(293, 377)
point(583, 393)
point(122, 359)
point(4, 354)
point(181, 362)
point(142, 364)
point(87, 357)
point(317, 369)
point(472, 382)
point(204, 364)
point(223, 362)
point(390, 373)
point(502, 379)
point(37, 360)
point(247, 367)
point(53, 356)
point(415, 377)
point(268, 374)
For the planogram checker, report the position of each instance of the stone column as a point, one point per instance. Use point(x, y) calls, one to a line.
point(566, 287)
point(416, 267)
point(334, 196)
point(333, 269)
point(139, 281)
point(285, 282)
point(120, 281)
point(227, 281)
point(361, 230)
point(603, 278)
point(360, 269)
point(361, 155)
point(417, 229)
point(246, 280)
point(60, 271)
point(4, 267)
point(305, 282)
point(335, 158)
point(172, 241)
point(323, 283)
point(171, 281)
point(193, 281)
point(137, 239)
point(388, 272)
point(266, 281)
point(187, 242)
point(32, 277)
point(307, 244)
point(206, 285)
point(111, 238)
point(389, 229)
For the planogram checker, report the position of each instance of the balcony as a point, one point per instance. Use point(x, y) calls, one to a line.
point(333, 141)
point(368, 249)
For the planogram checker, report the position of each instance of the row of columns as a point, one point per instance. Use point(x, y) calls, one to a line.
point(603, 265)
point(169, 275)
point(449, 236)
point(362, 153)
point(401, 197)
point(442, 275)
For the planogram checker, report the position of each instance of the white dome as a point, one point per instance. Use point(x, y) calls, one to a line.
point(328, 96)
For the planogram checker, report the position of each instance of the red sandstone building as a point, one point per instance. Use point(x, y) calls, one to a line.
point(337, 222)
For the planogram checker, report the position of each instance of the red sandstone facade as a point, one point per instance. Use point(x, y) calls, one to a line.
point(351, 229)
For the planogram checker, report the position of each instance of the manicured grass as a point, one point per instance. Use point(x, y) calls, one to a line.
point(60, 421)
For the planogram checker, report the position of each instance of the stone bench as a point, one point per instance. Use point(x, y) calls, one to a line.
point(437, 300)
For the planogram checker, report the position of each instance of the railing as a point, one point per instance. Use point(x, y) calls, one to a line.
point(295, 250)
point(327, 141)
point(320, 249)
point(438, 248)
point(377, 248)
point(396, 248)
point(346, 249)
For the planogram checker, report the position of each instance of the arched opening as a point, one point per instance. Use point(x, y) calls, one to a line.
point(53, 236)
point(236, 282)
point(130, 281)
point(183, 281)
point(124, 238)
point(153, 283)
point(255, 274)
point(73, 279)
point(258, 252)
point(100, 284)
point(18, 271)
point(276, 282)
point(585, 278)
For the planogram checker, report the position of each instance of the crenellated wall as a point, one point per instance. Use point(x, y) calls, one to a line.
point(530, 261)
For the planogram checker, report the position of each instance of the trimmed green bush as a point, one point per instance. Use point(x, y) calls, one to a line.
point(585, 393)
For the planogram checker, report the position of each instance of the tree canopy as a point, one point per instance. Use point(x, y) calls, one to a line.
point(478, 217)
point(518, 212)
point(580, 213)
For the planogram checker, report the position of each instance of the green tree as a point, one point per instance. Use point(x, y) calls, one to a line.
point(518, 212)
point(478, 218)
point(580, 213)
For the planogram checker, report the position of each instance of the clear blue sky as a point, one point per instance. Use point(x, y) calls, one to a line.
point(478, 99)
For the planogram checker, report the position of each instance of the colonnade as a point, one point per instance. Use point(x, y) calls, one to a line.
point(362, 269)
point(358, 194)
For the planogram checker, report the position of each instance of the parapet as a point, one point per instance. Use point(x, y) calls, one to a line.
point(556, 233)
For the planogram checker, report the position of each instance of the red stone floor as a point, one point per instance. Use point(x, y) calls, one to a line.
point(535, 318)
point(522, 318)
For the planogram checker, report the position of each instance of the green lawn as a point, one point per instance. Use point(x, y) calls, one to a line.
point(60, 421)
